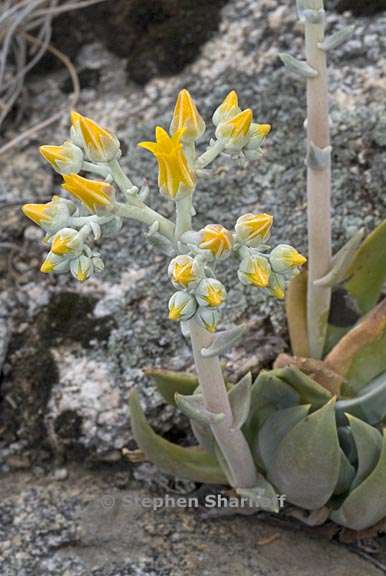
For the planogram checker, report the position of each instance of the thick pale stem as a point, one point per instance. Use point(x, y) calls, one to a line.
point(232, 443)
point(318, 188)
point(97, 169)
point(122, 180)
point(210, 154)
point(183, 215)
point(146, 215)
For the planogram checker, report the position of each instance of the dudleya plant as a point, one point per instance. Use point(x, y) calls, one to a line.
point(313, 427)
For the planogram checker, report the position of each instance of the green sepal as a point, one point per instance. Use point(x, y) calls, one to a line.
point(308, 460)
point(191, 463)
point(366, 504)
point(168, 383)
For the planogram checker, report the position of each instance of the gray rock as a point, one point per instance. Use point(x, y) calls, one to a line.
point(83, 526)
point(77, 351)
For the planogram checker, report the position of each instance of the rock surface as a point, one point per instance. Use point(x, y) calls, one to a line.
point(75, 352)
point(89, 525)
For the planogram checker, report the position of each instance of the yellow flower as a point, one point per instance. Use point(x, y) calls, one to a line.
point(50, 216)
point(253, 228)
point(99, 144)
point(65, 159)
point(255, 270)
point(210, 292)
point(183, 271)
point(216, 239)
point(228, 109)
point(186, 117)
point(284, 259)
point(93, 193)
point(175, 178)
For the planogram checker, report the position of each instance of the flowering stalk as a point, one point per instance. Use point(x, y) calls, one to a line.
point(318, 179)
point(231, 442)
point(199, 294)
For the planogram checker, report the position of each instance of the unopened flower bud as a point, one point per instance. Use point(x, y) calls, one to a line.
point(253, 229)
point(82, 268)
point(183, 271)
point(208, 317)
point(276, 286)
point(216, 239)
point(51, 216)
point(99, 144)
point(227, 109)
point(234, 133)
point(285, 259)
point(254, 270)
point(55, 263)
point(187, 118)
point(182, 306)
point(210, 292)
point(67, 241)
point(65, 159)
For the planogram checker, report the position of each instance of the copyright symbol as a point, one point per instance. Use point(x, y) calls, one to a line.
point(108, 501)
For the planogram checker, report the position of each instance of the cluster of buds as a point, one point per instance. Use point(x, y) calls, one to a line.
point(198, 295)
point(235, 128)
point(69, 224)
point(260, 266)
point(95, 209)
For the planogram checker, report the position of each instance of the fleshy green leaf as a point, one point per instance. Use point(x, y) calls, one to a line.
point(360, 355)
point(194, 407)
point(275, 429)
point(369, 405)
point(309, 391)
point(342, 261)
point(346, 475)
point(296, 308)
point(269, 393)
point(169, 383)
point(263, 496)
point(190, 463)
point(299, 67)
point(240, 400)
point(307, 463)
point(366, 504)
point(337, 38)
point(368, 441)
point(367, 273)
point(222, 341)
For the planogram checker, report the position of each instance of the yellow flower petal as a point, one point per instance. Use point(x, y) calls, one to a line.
point(175, 178)
point(100, 145)
point(186, 116)
point(216, 239)
point(93, 193)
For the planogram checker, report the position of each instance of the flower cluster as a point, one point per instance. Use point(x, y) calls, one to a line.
point(200, 296)
point(70, 225)
point(97, 207)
